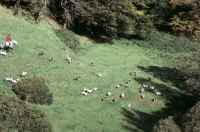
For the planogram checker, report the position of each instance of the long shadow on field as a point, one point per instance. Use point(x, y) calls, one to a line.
point(166, 91)
point(142, 121)
point(166, 74)
point(176, 101)
point(176, 104)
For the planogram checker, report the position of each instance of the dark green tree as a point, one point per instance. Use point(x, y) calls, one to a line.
point(192, 119)
point(166, 125)
point(16, 115)
point(103, 19)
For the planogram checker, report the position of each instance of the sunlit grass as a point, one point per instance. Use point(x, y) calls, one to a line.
point(70, 111)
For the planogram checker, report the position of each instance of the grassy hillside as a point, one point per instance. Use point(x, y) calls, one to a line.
point(70, 110)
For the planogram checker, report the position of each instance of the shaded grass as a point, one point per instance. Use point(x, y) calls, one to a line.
point(164, 42)
point(144, 121)
point(70, 111)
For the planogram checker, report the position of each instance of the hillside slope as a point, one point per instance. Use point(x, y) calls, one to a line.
point(70, 110)
point(46, 21)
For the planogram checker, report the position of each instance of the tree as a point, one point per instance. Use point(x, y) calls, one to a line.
point(103, 19)
point(42, 10)
point(184, 19)
point(166, 125)
point(192, 119)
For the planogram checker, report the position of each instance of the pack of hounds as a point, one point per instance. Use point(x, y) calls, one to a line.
point(87, 91)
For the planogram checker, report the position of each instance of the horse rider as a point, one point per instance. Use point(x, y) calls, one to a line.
point(8, 40)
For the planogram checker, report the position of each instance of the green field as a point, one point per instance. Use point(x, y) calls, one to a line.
point(71, 111)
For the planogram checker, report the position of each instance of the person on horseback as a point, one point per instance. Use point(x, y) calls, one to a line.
point(8, 40)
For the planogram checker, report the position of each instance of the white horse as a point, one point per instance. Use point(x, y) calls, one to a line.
point(6, 46)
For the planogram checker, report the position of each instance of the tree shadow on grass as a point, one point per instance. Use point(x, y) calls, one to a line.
point(166, 91)
point(142, 121)
point(176, 102)
point(165, 74)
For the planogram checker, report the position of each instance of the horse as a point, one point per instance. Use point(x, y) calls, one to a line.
point(7, 46)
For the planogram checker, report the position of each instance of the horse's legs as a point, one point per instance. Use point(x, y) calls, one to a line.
point(8, 49)
point(12, 50)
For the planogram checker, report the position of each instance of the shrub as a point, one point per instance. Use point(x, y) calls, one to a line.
point(166, 125)
point(34, 90)
point(69, 39)
point(16, 115)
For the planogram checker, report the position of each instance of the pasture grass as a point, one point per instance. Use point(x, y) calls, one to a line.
point(70, 111)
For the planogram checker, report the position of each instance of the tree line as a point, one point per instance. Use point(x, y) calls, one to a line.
point(103, 20)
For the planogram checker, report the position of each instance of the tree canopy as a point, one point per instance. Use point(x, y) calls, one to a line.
point(192, 119)
point(103, 20)
point(166, 125)
point(16, 115)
